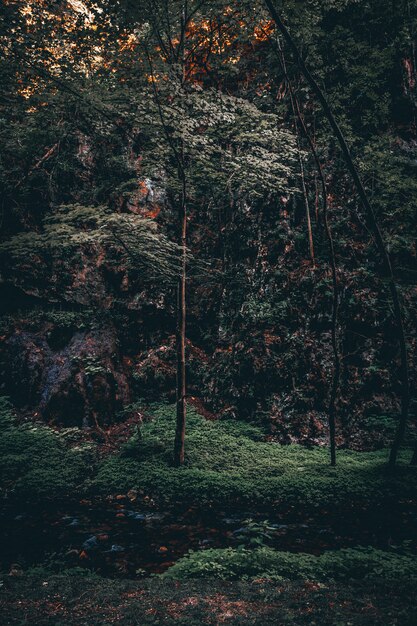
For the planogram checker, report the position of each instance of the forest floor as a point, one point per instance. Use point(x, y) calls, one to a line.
point(92, 601)
point(95, 533)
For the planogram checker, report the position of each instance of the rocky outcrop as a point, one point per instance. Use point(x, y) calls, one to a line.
point(71, 378)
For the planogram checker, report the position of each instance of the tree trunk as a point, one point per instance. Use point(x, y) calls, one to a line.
point(335, 303)
point(380, 243)
point(181, 330)
point(179, 443)
point(307, 208)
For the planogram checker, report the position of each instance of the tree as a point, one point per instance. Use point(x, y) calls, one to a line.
point(106, 236)
point(335, 304)
point(198, 139)
point(379, 240)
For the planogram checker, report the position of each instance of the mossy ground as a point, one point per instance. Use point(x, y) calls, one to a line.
point(227, 462)
point(37, 462)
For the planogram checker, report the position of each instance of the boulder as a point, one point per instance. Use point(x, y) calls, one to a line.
point(71, 379)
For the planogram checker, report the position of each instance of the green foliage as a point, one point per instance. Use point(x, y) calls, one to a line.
point(255, 533)
point(236, 428)
point(60, 320)
point(384, 423)
point(6, 413)
point(78, 153)
point(36, 462)
point(55, 565)
point(389, 168)
point(71, 230)
point(243, 564)
point(224, 464)
point(92, 365)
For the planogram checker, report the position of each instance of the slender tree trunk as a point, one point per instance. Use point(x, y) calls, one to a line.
point(181, 333)
point(379, 240)
point(335, 304)
point(307, 207)
point(179, 443)
point(300, 160)
point(336, 357)
point(181, 390)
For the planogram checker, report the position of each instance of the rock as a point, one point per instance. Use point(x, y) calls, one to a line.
point(206, 542)
point(136, 516)
point(80, 382)
point(16, 570)
point(74, 522)
point(116, 548)
point(25, 353)
point(90, 543)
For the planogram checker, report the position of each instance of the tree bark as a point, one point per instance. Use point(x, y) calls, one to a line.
point(307, 208)
point(331, 412)
point(379, 240)
point(179, 444)
point(335, 304)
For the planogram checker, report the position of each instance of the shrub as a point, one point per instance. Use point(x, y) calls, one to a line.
point(226, 462)
point(35, 462)
point(347, 564)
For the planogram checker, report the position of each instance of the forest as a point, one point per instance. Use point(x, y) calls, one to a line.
point(208, 312)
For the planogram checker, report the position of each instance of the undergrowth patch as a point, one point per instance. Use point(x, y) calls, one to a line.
point(227, 461)
point(36, 461)
point(340, 565)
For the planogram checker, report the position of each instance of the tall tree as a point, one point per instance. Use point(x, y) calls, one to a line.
point(335, 300)
point(373, 223)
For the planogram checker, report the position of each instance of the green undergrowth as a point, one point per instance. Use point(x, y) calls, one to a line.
point(36, 461)
point(341, 565)
point(227, 461)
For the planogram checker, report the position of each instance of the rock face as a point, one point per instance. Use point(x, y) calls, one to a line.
point(70, 378)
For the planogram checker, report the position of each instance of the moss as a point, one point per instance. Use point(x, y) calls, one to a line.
point(35, 461)
point(225, 464)
point(243, 564)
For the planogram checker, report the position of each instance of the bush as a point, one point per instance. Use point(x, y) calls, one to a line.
point(347, 564)
point(35, 462)
point(226, 462)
